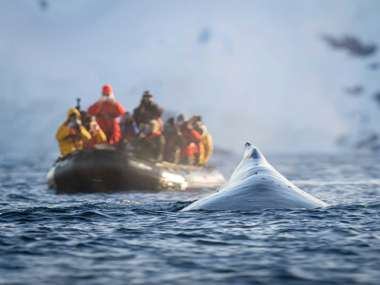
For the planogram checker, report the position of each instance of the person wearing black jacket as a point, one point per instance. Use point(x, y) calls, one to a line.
point(147, 110)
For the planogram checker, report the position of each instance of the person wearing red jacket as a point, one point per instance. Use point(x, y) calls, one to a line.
point(190, 146)
point(107, 111)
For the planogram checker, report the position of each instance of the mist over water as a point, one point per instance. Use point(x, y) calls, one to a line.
point(254, 70)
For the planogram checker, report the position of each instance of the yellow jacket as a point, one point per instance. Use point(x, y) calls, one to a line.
point(206, 148)
point(97, 137)
point(70, 140)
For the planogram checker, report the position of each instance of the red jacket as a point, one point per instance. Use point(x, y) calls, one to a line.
point(191, 135)
point(192, 138)
point(106, 113)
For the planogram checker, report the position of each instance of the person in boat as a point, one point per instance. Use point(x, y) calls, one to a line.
point(86, 119)
point(72, 135)
point(150, 141)
point(148, 117)
point(97, 135)
point(172, 135)
point(205, 145)
point(181, 124)
point(190, 142)
point(147, 110)
point(107, 111)
point(128, 127)
point(180, 120)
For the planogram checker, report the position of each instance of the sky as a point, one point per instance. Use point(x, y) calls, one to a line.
point(255, 70)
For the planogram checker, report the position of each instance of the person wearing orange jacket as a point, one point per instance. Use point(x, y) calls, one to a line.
point(190, 145)
point(107, 110)
point(72, 135)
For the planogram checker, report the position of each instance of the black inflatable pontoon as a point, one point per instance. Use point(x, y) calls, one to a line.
point(111, 170)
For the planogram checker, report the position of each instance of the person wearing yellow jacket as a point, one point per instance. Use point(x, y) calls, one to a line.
point(205, 144)
point(97, 135)
point(72, 135)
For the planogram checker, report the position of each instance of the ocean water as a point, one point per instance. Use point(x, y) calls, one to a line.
point(142, 238)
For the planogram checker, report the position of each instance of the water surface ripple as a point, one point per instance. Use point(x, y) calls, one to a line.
point(137, 238)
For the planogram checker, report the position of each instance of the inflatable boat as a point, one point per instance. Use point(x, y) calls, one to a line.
point(112, 170)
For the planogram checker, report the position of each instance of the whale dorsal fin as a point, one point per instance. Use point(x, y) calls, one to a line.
point(251, 151)
point(253, 154)
point(251, 157)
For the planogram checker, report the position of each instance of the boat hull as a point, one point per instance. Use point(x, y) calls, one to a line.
point(106, 170)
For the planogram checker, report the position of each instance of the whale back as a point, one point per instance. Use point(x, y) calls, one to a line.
point(256, 184)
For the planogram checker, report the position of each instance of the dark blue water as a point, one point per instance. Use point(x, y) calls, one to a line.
point(144, 239)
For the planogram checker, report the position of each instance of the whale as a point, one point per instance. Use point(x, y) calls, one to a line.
point(256, 185)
